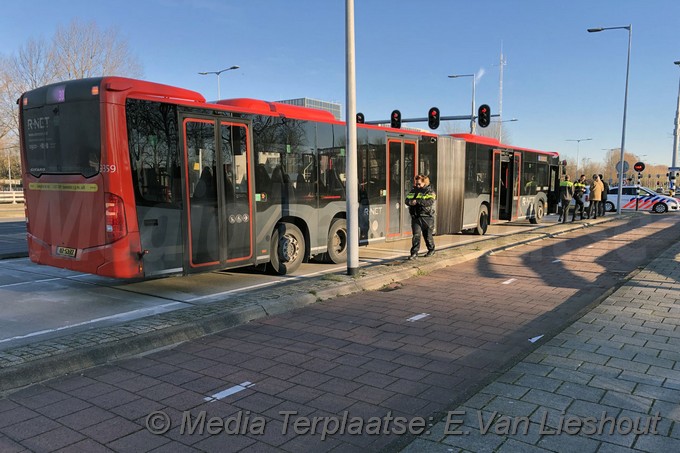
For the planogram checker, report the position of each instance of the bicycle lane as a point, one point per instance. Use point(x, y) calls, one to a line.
point(414, 350)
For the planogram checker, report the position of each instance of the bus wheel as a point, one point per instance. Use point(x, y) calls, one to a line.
point(287, 248)
point(482, 221)
point(538, 214)
point(337, 241)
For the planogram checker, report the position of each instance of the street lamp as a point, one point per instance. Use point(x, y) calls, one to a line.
point(676, 132)
point(217, 73)
point(472, 114)
point(628, 27)
point(578, 145)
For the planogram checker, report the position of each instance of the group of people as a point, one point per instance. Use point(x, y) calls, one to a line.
point(577, 192)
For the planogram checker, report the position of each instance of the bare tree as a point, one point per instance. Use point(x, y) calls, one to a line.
point(77, 50)
point(82, 50)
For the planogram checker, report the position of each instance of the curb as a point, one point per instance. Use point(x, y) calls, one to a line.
point(28, 364)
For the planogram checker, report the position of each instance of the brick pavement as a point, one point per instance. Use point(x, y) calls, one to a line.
point(371, 354)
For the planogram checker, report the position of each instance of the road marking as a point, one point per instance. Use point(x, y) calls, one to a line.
point(418, 317)
point(557, 261)
point(535, 339)
point(228, 392)
point(125, 316)
point(30, 282)
point(507, 282)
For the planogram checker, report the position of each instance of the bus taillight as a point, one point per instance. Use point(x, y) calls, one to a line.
point(115, 218)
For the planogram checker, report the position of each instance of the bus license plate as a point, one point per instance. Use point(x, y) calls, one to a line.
point(66, 251)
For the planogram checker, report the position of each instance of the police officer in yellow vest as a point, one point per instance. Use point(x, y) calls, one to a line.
point(579, 193)
point(420, 201)
point(566, 194)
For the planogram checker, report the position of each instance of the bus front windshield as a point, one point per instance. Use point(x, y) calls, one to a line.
point(63, 138)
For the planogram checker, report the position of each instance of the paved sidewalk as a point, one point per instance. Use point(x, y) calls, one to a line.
point(417, 349)
point(610, 382)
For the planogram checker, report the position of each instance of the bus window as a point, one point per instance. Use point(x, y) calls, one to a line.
point(331, 158)
point(154, 155)
point(63, 138)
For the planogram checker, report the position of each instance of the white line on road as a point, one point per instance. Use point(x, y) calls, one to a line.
point(135, 313)
point(535, 339)
point(557, 261)
point(418, 317)
point(507, 282)
point(31, 282)
point(230, 391)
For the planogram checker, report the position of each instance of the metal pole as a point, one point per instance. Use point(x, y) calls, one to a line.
point(351, 179)
point(500, 99)
point(472, 115)
point(578, 148)
point(628, 27)
point(217, 73)
point(676, 132)
point(623, 129)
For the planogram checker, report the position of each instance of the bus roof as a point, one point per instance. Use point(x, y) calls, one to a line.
point(273, 108)
point(471, 138)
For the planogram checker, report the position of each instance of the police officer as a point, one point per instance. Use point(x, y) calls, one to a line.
point(579, 192)
point(420, 201)
point(566, 194)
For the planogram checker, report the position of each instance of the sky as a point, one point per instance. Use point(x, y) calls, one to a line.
point(560, 82)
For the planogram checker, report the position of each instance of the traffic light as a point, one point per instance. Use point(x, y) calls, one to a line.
point(360, 118)
point(395, 119)
point(483, 115)
point(433, 118)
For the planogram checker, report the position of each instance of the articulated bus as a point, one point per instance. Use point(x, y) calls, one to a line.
point(132, 179)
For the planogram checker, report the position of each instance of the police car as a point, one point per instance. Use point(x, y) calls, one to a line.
point(647, 200)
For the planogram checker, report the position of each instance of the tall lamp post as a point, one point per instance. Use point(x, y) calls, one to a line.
point(217, 73)
point(472, 114)
point(628, 27)
point(578, 145)
point(676, 132)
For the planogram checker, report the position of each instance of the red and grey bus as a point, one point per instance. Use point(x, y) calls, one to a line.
point(130, 179)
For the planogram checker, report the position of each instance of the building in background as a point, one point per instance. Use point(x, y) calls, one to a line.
point(332, 107)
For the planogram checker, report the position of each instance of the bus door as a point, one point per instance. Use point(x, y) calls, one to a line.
point(401, 170)
point(219, 207)
point(553, 189)
point(506, 180)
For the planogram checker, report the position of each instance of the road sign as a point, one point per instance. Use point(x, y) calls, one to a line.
point(639, 167)
point(625, 167)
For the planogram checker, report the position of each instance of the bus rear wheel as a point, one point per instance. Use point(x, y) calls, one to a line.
point(337, 241)
point(538, 213)
point(482, 221)
point(287, 248)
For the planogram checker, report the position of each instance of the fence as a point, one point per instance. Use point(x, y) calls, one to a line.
point(16, 196)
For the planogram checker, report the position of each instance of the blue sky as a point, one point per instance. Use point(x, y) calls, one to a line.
point(560, 82)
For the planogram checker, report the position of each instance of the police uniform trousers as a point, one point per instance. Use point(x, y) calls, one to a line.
point(422, 226)
point(577, 207)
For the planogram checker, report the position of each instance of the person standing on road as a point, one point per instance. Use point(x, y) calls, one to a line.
point(596, 189)
point(603, 203)
point(566, 194)
point(420, 201)
point(579, 192)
